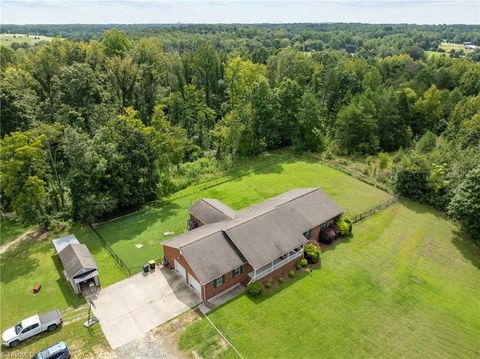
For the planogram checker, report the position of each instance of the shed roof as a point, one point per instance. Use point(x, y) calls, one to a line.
point(77, 259)
point(61, 243)
point(210, 210)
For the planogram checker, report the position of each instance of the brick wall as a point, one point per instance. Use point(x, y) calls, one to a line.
point(211, 291)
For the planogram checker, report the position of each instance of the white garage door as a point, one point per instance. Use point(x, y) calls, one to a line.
point(179, 268)
point(194, 284)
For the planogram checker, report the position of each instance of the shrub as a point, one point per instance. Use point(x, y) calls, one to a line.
point(383, 159)
point(280, 280)
point(255, 288)
point(312, 253)
point(303, 262)
point(298, 264)
point(343, 227)
point(291, 274)
point(268, 285)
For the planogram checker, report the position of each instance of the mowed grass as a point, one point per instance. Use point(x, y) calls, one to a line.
point(407, 285)
point(35, 261)
point(146, 228)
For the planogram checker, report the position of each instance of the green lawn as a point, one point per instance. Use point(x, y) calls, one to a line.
point(34, 261)
point(11, 229)
point(407, 285)
point(146, 227)
point(8, 39)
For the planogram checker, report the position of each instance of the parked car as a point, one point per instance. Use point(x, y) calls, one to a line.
point(29, 327)
point(56, 351)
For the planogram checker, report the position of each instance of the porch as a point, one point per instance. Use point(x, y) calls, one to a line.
point(275, 264)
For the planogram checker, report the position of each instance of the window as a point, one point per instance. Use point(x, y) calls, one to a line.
point(323, 226)
point(218, 281)
point(237, 271)
point(307, 234)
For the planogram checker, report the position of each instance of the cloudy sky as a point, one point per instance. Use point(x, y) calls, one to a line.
point(239, 11)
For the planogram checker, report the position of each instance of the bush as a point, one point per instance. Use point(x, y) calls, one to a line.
point(291, 274)
point(343, 227)
point(312, 253)
point(298, 264)
point(280, 280)
point(303, 262)
point(255, 288)
point(268, 285)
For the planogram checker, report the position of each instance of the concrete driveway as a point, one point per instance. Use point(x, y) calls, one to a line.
point(130, 308)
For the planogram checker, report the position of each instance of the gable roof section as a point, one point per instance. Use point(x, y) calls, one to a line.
point(210, 210)
point(268, 236)
point(212, 256)
point(77, 259)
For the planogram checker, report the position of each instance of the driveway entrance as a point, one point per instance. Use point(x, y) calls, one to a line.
point(130, 308)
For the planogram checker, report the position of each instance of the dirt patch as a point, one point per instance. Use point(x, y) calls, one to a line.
point(34, 234)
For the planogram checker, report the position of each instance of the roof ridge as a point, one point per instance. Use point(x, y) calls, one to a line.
point(294, 199)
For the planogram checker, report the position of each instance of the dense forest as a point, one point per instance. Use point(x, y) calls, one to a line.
point(102, 119)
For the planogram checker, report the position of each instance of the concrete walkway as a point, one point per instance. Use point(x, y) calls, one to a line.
point(221, 298)
point(128, 309)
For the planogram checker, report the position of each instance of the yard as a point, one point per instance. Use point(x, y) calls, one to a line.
point(137, 238)
point(406, 285)
point(34, 261)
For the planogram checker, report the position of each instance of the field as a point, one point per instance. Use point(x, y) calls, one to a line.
point(8, 39)
point(34, 261)
point(406, 285)
point(137, 238)
point(448, 47)
point(10, 229)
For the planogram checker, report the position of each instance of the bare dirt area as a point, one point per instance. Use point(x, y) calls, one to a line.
point(162, 342)
point(34, 234)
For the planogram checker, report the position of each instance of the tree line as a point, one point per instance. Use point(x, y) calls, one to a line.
point(90, 128)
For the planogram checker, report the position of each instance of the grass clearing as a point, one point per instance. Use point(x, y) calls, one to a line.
point(8, 39)
point(405, 286)
point(35, 261)
point(11, 229)
point(145, 228)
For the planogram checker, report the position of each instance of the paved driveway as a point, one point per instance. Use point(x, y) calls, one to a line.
point(130, 308)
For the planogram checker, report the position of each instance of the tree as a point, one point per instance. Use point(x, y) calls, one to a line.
point(123, 72)
point(429, 111)
point(18, 101)
point(116, 43)
point(311, 125)
point(465, 204)
point(289, 95)
point(356, 127)
point(411, 177)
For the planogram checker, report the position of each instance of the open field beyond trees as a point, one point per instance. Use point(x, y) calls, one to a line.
point(405, 286)
point(8, 39)
point(136, 238)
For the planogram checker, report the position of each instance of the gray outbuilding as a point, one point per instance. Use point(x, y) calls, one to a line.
point(80, 268)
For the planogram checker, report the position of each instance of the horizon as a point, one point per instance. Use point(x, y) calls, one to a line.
point(246, 12)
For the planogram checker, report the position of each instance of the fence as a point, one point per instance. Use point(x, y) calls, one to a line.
point(358, 175)
point(375, 209)
point(117, 259)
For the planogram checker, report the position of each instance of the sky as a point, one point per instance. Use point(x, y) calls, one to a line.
point(238, 11)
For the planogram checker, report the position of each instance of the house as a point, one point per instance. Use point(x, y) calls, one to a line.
point(80, 268)
point(223, 247)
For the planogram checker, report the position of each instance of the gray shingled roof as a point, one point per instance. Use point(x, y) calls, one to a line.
point(211, 257)
point(77, 259)
point(259, 234)
point(210, 210)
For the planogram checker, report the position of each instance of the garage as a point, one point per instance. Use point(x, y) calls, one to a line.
point(179, 268)
point(195, 284)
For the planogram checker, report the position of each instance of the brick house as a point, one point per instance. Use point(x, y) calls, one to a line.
point(224, 247)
